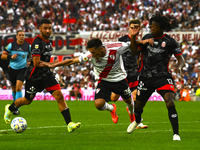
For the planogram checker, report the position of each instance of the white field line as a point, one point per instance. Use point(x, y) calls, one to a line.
point(65, 126)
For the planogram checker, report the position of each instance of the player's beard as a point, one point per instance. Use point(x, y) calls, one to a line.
point(46, 35)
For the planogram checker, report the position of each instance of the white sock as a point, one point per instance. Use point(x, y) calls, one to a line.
point(130, 107)
point(107, 107)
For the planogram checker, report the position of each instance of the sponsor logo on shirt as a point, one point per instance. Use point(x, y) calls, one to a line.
point(36, 46)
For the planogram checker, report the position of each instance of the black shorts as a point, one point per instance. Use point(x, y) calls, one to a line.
point(148, 85)
point(133, 82)
point(104, 89)
point(15, 75)
point(32, 87)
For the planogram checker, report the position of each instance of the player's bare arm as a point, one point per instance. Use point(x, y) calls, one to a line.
point(150, 41)
point(134, 48)
point(180, 64)
point(5, 55)
point(65, 62)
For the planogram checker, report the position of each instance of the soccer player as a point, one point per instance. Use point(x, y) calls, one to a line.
point(131, 67)
point(40, 77)
point(110, 73)
point(154, 72)
point(17, 52)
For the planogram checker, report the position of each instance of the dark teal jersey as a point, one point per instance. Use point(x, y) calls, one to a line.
point(22, 52)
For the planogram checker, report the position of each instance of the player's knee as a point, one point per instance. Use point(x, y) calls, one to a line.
point(98, 104)
point(169, 102)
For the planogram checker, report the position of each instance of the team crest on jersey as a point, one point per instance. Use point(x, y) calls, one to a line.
point(85, 58)
point(163, 44)
point(36, 46)
point(97, 90)
point(112, 57)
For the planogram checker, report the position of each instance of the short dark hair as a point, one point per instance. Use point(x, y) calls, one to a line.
point(46, 21)
point(94, 43)
point(20, 31)
point(163, 21)
point(135, 21)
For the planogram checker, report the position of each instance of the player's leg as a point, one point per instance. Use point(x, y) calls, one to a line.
point(18, 94)
point(64, 109)
point(166, 90)
point(12, 78)
point(102, 97)
point(172, 114)
point(142, 97)
point(9, 109)
point(19, 82)
point(114, 97)
point(141, 125)
point(138, 113)
point(101, 104)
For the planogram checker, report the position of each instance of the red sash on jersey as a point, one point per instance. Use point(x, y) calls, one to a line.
point(109, 65)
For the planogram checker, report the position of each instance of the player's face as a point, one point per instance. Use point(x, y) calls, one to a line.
point(155, 29)
point(133, 26)
point(46, 30)
point(20, 37)
point(96, 52)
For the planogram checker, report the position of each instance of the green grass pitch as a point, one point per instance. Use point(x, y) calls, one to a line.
point(47, 129)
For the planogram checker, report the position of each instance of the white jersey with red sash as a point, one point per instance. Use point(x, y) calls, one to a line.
point(110, 67)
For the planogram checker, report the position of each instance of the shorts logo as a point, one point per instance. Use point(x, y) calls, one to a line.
point(97, 90)
point(174, 115)
point(36, 46)
point(112, 57)
point(127, 91)
point(163, 44)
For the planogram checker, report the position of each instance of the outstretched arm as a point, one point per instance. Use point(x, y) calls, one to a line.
point(65, 62)
point(150, 41)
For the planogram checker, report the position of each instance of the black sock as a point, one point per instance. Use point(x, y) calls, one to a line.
point(138, 116)
point(66, 115)
point(12, 107)
point(173, 117)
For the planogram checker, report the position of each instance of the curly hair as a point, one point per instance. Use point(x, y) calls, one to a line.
point(163, 21)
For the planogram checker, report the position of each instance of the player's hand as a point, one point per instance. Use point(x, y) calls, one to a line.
point(14, 56)
point(135, 30)
point(151, 41)
point(179, 71)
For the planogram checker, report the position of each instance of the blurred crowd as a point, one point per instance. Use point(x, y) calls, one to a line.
point(91, 15)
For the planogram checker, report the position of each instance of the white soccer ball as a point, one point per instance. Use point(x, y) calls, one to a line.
point(18, 124)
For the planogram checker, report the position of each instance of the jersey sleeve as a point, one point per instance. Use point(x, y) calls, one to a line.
point(124, 48)
point(85, 57)
point(8, 47)
point(36, 48)
point(175, 47)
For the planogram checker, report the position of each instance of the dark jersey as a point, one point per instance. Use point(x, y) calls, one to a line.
point(43, 49)
point(155, 59)
point(130, 62)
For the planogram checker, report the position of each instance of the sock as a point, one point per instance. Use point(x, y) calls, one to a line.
point(12, 107)
point(66, 115)
point(130, 107)
point(107, 107)
point(13, 95)
point(18, 95)
point(173, 117)
point(138, 117)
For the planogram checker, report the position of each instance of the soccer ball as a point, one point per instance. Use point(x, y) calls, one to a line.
point(18, 124)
